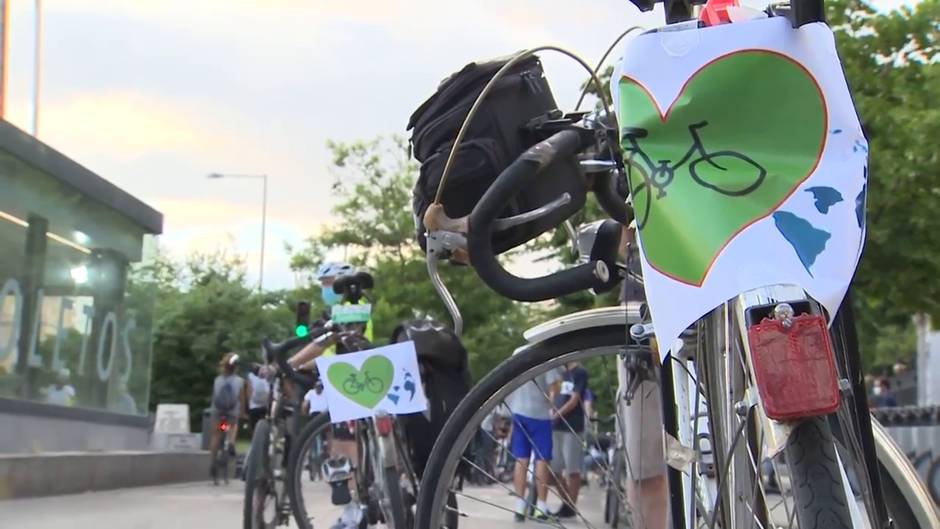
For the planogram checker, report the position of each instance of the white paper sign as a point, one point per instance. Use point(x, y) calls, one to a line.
point(748, 166)
point(172, 418)
point(357, 385)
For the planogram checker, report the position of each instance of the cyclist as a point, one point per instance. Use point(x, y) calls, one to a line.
point(338, 469)
point(229, 398)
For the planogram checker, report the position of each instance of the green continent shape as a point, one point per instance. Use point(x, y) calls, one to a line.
point(758, 104)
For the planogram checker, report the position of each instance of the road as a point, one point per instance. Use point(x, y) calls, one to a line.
point(203, 506)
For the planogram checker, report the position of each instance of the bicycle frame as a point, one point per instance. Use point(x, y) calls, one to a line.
point(688, 431)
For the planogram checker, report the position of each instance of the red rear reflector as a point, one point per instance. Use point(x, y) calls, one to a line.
point(794, 367)
point(384, 425)
point(223, 426)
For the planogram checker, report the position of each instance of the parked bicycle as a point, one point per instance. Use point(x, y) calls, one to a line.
point(694, 426)
point(379, 471)
point(267, 503)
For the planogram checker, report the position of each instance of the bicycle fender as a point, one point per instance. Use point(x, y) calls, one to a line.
point(586, 319)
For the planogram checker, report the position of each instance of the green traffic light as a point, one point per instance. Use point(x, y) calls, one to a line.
point(301, 331)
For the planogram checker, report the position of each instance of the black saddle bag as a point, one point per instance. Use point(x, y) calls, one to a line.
point(501, 130)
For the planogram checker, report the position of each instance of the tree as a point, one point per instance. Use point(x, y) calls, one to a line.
point(890, 63)
point(374, 223)
point(204, 309)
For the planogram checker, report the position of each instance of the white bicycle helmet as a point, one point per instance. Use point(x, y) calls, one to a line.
point(335, 270)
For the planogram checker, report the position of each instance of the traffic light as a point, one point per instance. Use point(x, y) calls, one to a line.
point(302, 327)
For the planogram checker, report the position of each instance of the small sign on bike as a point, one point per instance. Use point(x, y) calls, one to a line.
point(351, 313)
point(357, 385)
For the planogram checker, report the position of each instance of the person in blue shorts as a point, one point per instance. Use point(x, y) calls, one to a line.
point(531, 437)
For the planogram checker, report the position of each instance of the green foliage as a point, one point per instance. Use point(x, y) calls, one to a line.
point(204, 309)
point(889, 61)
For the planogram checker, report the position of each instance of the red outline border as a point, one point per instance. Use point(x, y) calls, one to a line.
point(664, 116)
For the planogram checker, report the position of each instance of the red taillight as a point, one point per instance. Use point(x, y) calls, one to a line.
point(383, 423)
point(794, 367)
point(223, 426)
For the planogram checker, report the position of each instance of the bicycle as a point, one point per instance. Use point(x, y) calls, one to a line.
point(385, 481)
point(710, 423)
point(660, 175)
point(267, 503)
point(225, 453)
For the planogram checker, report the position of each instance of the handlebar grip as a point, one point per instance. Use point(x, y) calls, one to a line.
point(278, 353)
point(519, 175)
point(611, 201)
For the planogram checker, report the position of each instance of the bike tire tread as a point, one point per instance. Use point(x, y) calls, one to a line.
point(819, 495)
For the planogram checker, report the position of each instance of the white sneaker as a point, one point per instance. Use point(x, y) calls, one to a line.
point(351, 517)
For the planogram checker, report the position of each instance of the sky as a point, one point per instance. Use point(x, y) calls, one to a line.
point(153, 95)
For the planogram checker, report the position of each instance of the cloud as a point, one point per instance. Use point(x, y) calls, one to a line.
point(126, 125)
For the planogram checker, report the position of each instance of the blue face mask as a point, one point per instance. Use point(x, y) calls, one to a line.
point(329, 297)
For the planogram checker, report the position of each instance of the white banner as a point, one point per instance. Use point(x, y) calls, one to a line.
point(747, 165)
point(357, 385)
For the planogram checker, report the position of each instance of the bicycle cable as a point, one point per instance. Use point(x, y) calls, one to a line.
point(489, 87)
point(600, 63)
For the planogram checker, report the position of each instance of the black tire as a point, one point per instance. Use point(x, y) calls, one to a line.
point(221, 462)
point(612, 503)
point(396, 510)
point(295, 467)
point(255, 482)
point(714, 159)
point(475, 400)
point(818, 492)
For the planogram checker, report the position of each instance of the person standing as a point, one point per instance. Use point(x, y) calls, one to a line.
point(61, 392)
point(568, 419)
point(532, 437)
point(229, 398)
point(315, 401)
point(881, 395)
point(258, 403)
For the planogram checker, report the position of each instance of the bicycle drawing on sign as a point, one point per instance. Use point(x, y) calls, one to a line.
point(660, 174)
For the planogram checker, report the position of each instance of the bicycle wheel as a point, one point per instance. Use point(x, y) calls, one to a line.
point(810, 475)
point(397, 515)
point(616, 489)
point(596, 351)
point(303, 494)
point(727, 172)
point(222, 460)
point(258, 510)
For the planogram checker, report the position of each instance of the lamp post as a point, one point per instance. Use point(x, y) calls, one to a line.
point(264, 213)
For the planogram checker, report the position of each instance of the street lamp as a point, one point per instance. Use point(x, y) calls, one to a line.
point(264, 212)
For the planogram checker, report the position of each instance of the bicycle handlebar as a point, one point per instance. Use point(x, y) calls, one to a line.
point(609, 200)
point(278, 352)
point(519, 175)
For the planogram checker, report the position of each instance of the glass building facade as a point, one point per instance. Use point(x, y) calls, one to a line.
point(75, 315)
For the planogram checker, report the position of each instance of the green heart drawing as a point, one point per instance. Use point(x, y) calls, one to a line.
point(745, 130)
point(365, 386)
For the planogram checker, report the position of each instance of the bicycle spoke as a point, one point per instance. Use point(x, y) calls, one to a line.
point(538, 455)
point(724, 474)
point(500, 507)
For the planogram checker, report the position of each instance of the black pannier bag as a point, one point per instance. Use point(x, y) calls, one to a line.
point(500, 131)
point(445, 374)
